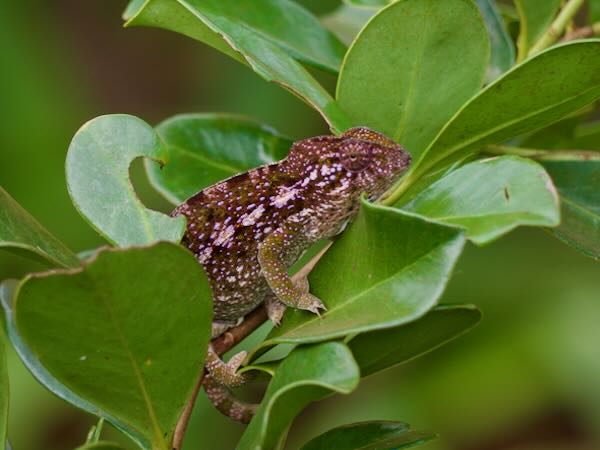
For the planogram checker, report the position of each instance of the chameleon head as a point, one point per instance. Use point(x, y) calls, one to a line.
point(372, 160)
point(343, 167)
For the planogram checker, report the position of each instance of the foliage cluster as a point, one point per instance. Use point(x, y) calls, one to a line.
point(499, 137)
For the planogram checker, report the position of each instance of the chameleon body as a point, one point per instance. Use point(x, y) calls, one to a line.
point(246, 231)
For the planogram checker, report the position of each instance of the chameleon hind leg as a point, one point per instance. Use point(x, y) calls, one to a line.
point(221, 376)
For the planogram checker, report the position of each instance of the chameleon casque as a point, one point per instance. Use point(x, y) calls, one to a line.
point(247, 230)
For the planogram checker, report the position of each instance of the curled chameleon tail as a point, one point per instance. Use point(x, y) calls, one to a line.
point(218, 380)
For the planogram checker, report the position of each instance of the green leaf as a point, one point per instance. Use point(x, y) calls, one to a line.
point(503, 50)
point(308, 374)
point(4, 392)
point(491, 197)
point(101, 446)
point(283, 23)
point(249, 37)
point(379, 350)
point(346, 21)
point(390, 80)
point(388, 269)
point(97, 170)
point(8, 289)
point(578, 183)
point(535, 17)
point(594, 12)
point(126, 332)
point(376, 435)
point(20, 231)
point(542, 90)
point(586, 136)
point(206, 148)
point(132, 8)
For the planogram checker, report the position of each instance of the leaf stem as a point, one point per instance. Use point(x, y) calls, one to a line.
point(226, 342)
point(556, 29)
point(544, 155)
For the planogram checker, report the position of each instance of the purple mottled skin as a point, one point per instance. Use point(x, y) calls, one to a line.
point(248, 230)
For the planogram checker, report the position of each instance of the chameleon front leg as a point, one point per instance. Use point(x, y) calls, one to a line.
point(271, 255)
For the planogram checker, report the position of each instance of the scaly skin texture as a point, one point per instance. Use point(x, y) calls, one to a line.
point(246, 231)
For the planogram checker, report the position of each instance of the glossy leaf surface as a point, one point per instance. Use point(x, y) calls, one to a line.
point(97, 170)
point(578, 183)
point(379, 350)
point(387, 269)
point(534, 94)
point(111, 333)
point(377, 435)
point(412, 67)
point(207, 148)
point(215, 23)
point(491, 197)
point(502, 48)
point(535, 17)
point(20, 231)
point(306, 375)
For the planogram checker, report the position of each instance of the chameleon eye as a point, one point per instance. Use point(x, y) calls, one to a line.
point(355, 160)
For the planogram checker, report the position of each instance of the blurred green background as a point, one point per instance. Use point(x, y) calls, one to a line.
point(528, 377)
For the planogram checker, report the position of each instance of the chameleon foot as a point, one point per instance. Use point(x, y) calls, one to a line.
point(275, 309)
point(225, 373)
point(310, 303)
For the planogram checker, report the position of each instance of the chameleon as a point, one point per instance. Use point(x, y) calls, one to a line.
point(247, 230)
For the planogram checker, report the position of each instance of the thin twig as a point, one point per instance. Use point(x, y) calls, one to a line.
point(226, 342)
point(557, 28)
point(583, 32)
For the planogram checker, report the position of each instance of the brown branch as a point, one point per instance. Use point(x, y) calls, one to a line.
point(581, 33)
point(225, 342)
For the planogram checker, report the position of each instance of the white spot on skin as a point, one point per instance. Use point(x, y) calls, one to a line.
point(251, 218)
point(225, 235)
point(231, 279)
point(283, 196)
point(203, 257)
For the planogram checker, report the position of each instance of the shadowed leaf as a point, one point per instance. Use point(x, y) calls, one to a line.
point(377, 435)
point(20, 231)
point(503, 50)
point(379, 350)
point(578, 183)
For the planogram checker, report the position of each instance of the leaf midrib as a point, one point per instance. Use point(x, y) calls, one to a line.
point(136, 370)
